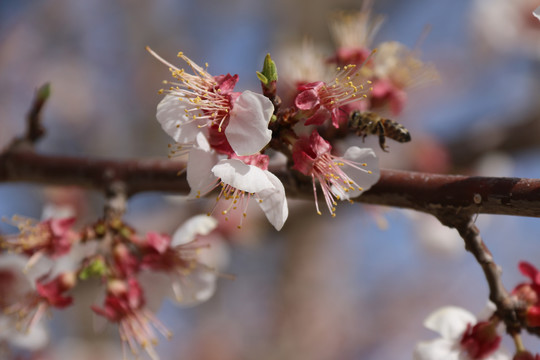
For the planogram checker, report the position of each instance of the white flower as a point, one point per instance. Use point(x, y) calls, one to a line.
point(507, 26)
point(13, 287)
point(450, 322)
point(239, 181)
point(248, 131)
point(200, 101)
point(184, 276)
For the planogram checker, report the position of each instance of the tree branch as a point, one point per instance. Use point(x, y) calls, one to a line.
point(34, 128)
point(429, 193)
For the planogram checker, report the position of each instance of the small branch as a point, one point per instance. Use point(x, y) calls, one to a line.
point(506, 307)
point(34, 129)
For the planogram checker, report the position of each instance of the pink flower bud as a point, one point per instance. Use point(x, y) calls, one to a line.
point(481, 339)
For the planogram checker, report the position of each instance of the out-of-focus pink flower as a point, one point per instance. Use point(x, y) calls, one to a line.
point(480, 340)
point(52, 237)
point(48, 294)
point(460, 340)
point(125, 305)
point(302, 64)
point(14, 286)
point(353, 35)
point(173, 267)
point(340, 178)
point(395, 70)
point(507, 26)
point(529, 292)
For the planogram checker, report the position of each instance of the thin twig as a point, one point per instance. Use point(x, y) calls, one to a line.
point(507, 308)
point(34, 128)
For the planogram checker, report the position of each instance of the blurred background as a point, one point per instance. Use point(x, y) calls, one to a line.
point(354, 287)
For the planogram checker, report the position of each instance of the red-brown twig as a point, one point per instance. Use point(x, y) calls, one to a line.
point(507, 308)
point(429, 193)
point(34, 128)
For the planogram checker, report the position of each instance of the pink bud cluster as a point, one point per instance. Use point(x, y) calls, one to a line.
point(127, 264)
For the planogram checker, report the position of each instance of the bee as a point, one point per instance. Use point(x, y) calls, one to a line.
point(369, 123)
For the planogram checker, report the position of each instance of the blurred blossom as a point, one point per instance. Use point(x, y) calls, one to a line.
point(435, 237)
point(495, 164)
point(507, 26)
point(353, 34)
point(300, 64)
point(14, 286)
point(462, 337)
point(83, 349)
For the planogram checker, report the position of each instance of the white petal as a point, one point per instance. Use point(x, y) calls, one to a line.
point(217, 254)
point(241, 176)
point(171, 112)
point(22, 282)
point(487, 311)
point(360, 176)
point(274, 202)
point(35, 339)
point(197, 225)
point(248, 131)
point(195, 287)
point(156, 286)
point(500, 354)
point(438, 349)
point(449, 321)
point(199, 171)
point(536, 13)
point(52, 211)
